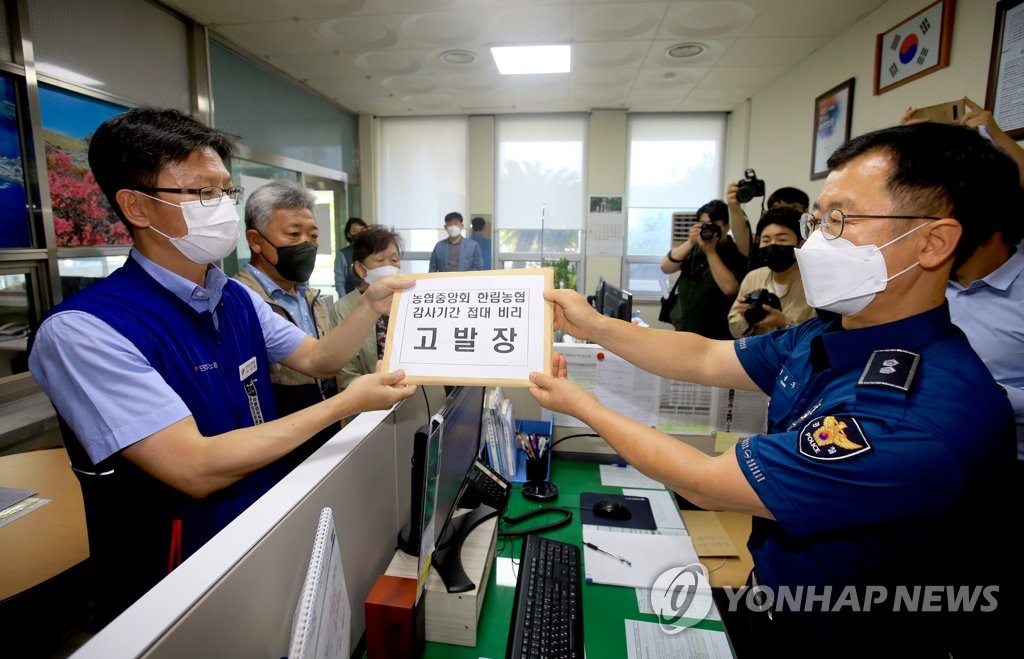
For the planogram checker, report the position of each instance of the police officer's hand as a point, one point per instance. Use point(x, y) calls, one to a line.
point(558, 393)
point(774, 320)
point(378, 391)
point(379, 293)
point(573, 314)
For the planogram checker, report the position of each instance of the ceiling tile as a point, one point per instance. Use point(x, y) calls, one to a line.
point(281, 38)
point(706, 20)
point(751, 77)
point(810, 18)
point(360, 33)
point(785, 51)
point(225, 12)
point(528, 25)
point(615, 22)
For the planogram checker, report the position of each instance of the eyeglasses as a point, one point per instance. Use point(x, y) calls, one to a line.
point(211, 195)
point(833, 223)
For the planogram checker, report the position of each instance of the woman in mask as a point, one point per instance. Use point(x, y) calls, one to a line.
point(282, 234)
point(376, 253)
point(772, 296)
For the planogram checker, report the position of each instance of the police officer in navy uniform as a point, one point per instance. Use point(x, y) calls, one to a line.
point(888, 444)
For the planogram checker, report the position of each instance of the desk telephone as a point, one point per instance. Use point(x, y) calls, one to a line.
point(489, 486)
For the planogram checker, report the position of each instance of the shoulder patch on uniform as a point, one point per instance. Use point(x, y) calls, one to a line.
point(894, 368)
point(833, 438)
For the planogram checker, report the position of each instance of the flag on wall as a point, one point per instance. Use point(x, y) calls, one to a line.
point(911, 47)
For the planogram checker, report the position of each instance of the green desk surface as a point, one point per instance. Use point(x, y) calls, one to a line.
point(605, 608)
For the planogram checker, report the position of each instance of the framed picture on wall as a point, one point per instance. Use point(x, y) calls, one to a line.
point(1005, 94)
point(915, 47)
point(833, 114)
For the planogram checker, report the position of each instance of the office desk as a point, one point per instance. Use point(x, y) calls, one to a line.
point(604, 607)
point(50, 539)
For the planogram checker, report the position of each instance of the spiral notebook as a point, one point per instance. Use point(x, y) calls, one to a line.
point(323, 616)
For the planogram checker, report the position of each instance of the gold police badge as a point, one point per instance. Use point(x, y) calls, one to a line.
point(833, 438)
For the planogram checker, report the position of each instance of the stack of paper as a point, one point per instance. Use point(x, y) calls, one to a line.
point(499, 432)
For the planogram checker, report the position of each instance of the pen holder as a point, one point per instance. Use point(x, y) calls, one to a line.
point(537, 470)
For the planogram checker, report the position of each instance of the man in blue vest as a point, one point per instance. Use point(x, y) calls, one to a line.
point(889, 447)
point(160, 373)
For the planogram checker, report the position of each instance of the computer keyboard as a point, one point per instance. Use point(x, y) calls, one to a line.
point(547, 617)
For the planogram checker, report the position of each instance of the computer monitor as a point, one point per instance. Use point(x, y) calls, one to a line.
point(612, 301)
point(443, 454)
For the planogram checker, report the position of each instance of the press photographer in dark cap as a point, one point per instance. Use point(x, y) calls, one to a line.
point(881, 490)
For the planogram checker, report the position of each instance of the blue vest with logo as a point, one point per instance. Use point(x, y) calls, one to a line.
point(140, 528)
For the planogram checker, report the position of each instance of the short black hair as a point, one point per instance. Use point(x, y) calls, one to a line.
point(348, 226)
point(789, 196)
point(716, 210)
point(783, 216)
point(451, 217)
point(478, 223)
point(946, 171)
point(374, 239)
point(129, 150)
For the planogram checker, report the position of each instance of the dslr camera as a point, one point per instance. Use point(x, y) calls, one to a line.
point(749, 187)
point(754, 313)
point(710, 231)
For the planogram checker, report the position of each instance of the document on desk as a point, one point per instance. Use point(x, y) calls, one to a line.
point(633, 559)
point(663, 505)
point(23, 507)
point(627, 476)
point(646, 639)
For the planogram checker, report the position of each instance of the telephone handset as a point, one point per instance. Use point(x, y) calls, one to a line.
point(489, 486)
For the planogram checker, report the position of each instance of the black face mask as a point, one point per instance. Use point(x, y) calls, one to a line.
point(778, 258)
point(295, 262)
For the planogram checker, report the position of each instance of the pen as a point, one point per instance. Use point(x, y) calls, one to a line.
point(607, 553)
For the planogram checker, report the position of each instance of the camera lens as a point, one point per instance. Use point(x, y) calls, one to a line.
point(744, 193)
point(709, 231)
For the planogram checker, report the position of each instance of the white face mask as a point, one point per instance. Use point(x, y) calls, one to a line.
point(841, 277)
point(373, 275)
point(453, 231)
point(212, 230)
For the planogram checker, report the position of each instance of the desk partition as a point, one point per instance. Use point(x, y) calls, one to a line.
point(236, 596)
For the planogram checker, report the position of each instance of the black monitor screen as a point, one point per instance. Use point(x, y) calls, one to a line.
point(452, 446)
point(615, 302)
point(444, 451)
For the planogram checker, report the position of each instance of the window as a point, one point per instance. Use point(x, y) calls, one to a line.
point(675, 164)
point(422, 174)
point(539, 204)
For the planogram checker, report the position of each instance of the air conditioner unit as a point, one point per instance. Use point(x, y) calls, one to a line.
point(681, 223)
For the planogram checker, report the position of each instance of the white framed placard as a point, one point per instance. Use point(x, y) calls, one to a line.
point(486, 328)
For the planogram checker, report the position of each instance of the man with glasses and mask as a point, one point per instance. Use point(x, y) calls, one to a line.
point(281, 230)
point(160, 373)
point(889, 447)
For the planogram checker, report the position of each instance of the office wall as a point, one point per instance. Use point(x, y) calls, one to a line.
point(781, 116)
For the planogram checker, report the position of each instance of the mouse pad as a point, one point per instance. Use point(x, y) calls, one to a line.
point(640, 507)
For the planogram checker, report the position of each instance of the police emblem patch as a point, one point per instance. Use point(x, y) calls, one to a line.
point(891, 368)
point(833, 438)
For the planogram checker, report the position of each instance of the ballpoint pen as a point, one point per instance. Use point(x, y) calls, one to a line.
point(607, 553)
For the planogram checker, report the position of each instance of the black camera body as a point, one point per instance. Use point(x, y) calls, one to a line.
point(709, 231)
point(754, 313)
point(749, 187)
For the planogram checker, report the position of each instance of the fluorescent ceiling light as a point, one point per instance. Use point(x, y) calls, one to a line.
point(512, 60)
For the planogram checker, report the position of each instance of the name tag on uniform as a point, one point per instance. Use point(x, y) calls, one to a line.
point(247, 369)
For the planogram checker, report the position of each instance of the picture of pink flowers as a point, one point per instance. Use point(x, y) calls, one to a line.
point(81, 214)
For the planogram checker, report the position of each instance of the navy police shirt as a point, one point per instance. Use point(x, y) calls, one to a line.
point(881, 454)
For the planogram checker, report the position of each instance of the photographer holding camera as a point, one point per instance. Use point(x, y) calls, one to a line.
point(710, 268)
point(772, 296)
point(746, 189)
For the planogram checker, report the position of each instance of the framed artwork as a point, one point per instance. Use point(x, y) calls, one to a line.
point(1005, 94)
point(915, 47)
point(81, 215)
point(833, 114)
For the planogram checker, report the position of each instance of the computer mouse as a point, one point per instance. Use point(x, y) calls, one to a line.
point(611, 510)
